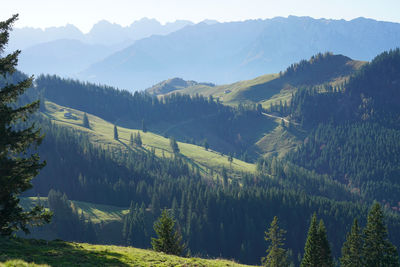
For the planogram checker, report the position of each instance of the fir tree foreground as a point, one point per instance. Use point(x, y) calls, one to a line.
point(377, 249)
point(276, 255)
point(169, 240)
point(352, 254)
point(17, 136)
point(317, 252)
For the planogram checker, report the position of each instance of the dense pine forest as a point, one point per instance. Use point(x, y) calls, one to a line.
point(354, 131)
point(208, 211)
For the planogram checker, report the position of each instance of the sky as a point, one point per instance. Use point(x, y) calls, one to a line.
point(85, 13)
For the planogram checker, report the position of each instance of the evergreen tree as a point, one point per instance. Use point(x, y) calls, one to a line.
point(259, 108)
point(377, 249)
point(138, 140)
point(144, 127)
point(230, 159)
point(174, 145)
point(311, 250)
point(115, 132)
point(352, 248)
point(17, 169)
point(86, 121)
point(317, 251)
point(326, 259)
point(169, 240)
point(131, 139)
point(276, 254)
point(205, 144)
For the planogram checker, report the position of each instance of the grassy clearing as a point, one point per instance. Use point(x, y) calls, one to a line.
point(101, 133)
point(96, 212)
point(20, 263)
point(60, 253)
point(280, 141)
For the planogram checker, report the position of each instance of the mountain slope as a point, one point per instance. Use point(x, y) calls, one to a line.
point(101, 133)
point(224, 52)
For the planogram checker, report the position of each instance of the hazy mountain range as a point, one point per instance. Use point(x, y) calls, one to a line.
point(66, 50)
point(103, 33)
point(138, 56)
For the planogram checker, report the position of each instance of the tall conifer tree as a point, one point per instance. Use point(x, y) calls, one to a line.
point(17, 166)
point(352, 248)
point(326, 259)
point(169, 239)
point(377, 249)
point(174, 145)
point(144, 127)
point(276, 255)
point(131, 139)
point(86, 121)
point(115, 132)
point(311, 249)
point(317, 252)
point(138, 139)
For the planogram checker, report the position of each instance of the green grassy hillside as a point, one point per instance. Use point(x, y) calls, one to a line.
point(20, 252)
point(225, 93)
point(272, 88)
point(280, 141)
point(101, 132)
point(320, 69)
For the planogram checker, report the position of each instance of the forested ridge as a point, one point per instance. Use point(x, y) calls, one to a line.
point(354, 130)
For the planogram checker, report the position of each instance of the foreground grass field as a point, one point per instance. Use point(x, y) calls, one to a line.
point(20, 252)
point(101, 132)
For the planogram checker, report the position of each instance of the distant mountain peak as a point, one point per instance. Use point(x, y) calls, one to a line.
point(210, 21)
point(145, 21)
point(103, 25)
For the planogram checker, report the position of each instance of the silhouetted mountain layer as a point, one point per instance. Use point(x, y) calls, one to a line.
point(227, 52)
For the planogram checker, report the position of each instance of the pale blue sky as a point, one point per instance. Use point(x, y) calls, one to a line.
point(84, 13)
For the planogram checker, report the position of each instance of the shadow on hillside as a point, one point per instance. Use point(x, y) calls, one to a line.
point(57, 253)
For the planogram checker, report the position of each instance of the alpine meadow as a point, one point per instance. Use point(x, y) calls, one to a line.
point(219, 142)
